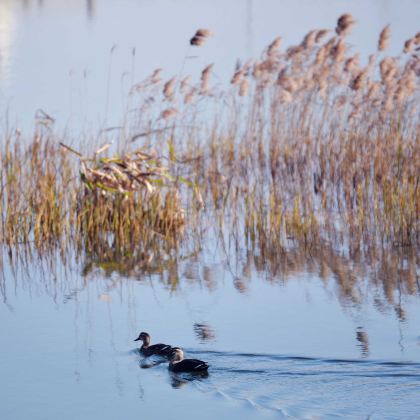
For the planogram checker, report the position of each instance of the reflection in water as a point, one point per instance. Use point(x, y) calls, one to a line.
point(278, 380)
point(204, 332)
point(7, 40)
point(209, 276)
point(240, 284)
point(377, 279)
point(363, 339)
point(90, 6)
point(149, 362)
point(386, 273)
point(90, 9)
point(179, 380)
point(137, 261)
point(381, 279)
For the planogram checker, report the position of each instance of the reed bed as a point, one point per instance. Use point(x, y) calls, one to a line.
point(53, 198)
point(309, 145)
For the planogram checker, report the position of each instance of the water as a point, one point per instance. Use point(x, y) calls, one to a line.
point(293, 345)
point(300, 335)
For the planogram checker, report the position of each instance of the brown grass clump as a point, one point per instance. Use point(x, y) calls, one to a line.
point(125, 174)
point(122, 199)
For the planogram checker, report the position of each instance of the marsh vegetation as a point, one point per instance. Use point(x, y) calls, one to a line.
point(309, 146)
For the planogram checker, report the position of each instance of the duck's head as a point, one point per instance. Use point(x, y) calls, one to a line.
point(143, 336)
point(177, 354)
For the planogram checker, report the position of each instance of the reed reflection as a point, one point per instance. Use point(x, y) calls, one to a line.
point(381, 279)
point(387, 275)
point(132, 261)
point(90, 9)
point(204, 332)
point(90, 6)
point(363, 341)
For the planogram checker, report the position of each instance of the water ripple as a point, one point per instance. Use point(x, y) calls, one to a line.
point(282, 357)
point(307, 387)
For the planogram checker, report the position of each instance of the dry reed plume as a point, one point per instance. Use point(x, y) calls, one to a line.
point(310, 146)
point(200, 37)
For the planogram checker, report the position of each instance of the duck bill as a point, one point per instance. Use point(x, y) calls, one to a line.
point(137, 339)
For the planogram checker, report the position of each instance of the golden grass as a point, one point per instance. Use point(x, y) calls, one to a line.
point(307, 147)
point(51, 202)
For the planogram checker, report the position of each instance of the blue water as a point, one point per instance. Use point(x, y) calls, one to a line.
point(291, 346)
point(305, 387)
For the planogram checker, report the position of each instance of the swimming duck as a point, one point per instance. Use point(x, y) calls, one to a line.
point(179, 364)
point(147, 350)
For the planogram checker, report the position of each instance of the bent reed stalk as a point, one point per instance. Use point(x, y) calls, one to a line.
point(308, 146)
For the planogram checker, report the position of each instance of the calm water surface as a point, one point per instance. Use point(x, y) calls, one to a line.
point(296, 336)
point(302, 343)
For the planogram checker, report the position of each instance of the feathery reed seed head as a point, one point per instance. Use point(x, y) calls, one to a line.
point(244, 87)
point(408, 45)
point(273, 48)
point(384, 37)
point(344, 24)
point(200, 37)
point(237, 77)
point(169, 113)
point(321, 34)
point(205, 77)
point(169, 88)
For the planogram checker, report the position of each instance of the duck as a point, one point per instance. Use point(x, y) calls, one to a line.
point(163, 350)
point(178, 364)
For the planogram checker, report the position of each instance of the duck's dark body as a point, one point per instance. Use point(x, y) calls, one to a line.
point(178, 364)
point(189, 365)
point(163, 350)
